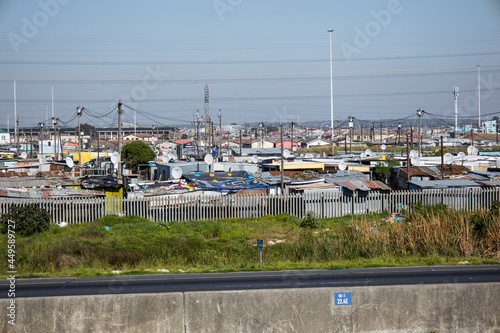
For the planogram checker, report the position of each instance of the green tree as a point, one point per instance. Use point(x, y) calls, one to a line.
point(136, 153)
point(382, 170)
point(88, 130)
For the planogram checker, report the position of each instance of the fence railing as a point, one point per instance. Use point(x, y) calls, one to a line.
point(324, 205)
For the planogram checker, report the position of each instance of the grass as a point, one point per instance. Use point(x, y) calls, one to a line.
point(134, 245)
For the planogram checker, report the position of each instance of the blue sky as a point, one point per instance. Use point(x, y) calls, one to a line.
point(262, 61)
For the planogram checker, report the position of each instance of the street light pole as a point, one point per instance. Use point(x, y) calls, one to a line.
point(331, 93)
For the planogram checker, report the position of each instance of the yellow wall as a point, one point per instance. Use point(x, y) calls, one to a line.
point(87, 156)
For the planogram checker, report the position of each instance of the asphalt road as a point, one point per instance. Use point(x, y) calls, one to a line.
point(164, 283)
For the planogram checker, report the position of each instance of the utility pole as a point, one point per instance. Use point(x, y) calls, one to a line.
point(31, 143)
point(241, 143)
point(407, 162)
point(351, 126)
point(455, 93)
point(119, 109)
point(220, 136)
point(381, 140)
point(54, 125)
point(419, 113)
point(17, 139)
point(399, 134)
point(41, 138)
point(372, 133)
point(79, 112)
point(197, 134)
point(291, 140)
point(442, 158)
point(411, 136)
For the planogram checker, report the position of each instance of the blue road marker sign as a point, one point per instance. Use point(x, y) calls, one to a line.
point(260, 243)
point(343, 299)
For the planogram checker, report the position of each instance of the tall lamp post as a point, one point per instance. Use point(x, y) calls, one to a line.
point(331, 93)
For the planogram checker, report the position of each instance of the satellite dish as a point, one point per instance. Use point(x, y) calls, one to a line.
point(342, 165)
point(461, 154)
point(286, 153)
point(69, 162)
point(24, 155)
point(362, 155)
point(413, 153)
point(415, 161)
point(255, 159)
point(294, 148)
point(115, 157)
point(448, 158)
point(176, 173)
point(383, 147)
point(172, 157)
point(191, 159)
point(42, 159)
point(475, 151)
point(208, 159)
point(368, 152)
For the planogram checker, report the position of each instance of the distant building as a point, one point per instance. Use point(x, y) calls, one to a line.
point(4, 137)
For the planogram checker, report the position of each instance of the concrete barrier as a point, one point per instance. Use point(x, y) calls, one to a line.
point(142, 313)
point(441, 308)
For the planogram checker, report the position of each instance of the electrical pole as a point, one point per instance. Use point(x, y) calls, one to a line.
point(407, 162)
point(381, 140)
point(241, 143)
point(291, 140)
point(351, 126)
point(119, 109)
point(17, 139)
point(220, 136)
point(411, 136)
point(419, 113)
point(455, 93)
point(79, 112)
point(399, 134)
point(41, 138)
point(197, 134)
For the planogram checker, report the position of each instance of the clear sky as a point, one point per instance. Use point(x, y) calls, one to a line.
point(262, 60)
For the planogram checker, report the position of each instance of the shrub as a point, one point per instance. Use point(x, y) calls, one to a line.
point(29, 220)
point(310, 221)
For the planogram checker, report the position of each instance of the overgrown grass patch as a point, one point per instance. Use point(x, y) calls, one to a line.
point(134, 245)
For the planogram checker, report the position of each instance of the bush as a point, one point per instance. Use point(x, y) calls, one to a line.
point(310, 221)
point(29, 220)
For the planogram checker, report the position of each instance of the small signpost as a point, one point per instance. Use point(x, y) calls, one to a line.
point(260, 245)
point(343, 299)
